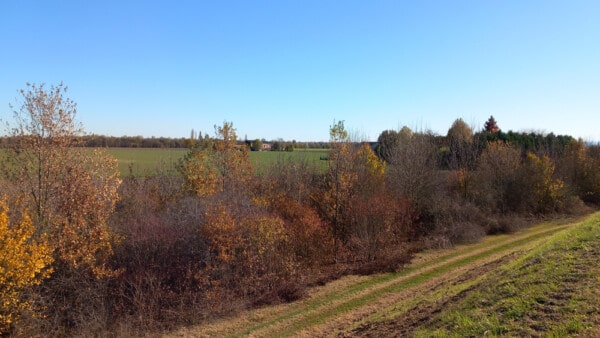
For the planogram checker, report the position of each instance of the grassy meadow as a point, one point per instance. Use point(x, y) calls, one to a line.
point(553, 290)
point(150, 161)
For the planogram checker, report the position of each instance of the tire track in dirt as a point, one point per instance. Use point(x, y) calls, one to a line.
point(549, 311)
point(420, 311)
point(330, 311)
point(413, 308)
point(318, 321)
point(411, 294)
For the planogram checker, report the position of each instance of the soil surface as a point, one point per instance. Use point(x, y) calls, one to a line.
point(421, 314)
point(383, 305)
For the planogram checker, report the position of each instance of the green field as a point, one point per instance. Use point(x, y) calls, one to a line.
point(144, 161)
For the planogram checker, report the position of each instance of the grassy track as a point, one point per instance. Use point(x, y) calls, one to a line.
point(553, 291)
point(357, 305)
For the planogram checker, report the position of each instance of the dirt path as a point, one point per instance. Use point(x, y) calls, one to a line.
point(415, 310)
point(351, 305)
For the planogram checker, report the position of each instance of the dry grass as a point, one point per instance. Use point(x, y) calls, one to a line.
point(343, 304)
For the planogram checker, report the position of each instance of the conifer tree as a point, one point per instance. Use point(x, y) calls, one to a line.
point(491, 126)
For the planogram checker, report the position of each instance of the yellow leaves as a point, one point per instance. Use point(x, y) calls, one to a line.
point(200, 174)
point(351, 170)
point(222, 167)
point(581, 171)
point(261, 201)
point(70, 192)
point(79, 229)
point(24, 262)
point(268, 233)
point(338, 133)
point(376, 165)
point(547, 191)
point(223, 233)
point(247, 250)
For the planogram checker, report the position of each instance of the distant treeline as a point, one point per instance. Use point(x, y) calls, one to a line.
point(535, 142)
point(101, 141)
point(538, 143)
point(528, 142)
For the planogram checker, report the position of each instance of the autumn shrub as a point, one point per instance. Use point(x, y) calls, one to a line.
point(288, 178)
point(336, 188)
point(458, 221)
point(462, 149)
point(506, 184)
point(159, 255)
point(70, 193)
point(538, 190)
point(413, 174)
point(579, 168)
point(367, 222)
point(496, 178)
point(352, 200)
point(309, 239)
point(218, 165)
point(378, 226)
point(248, 252)
point(286, 188)
point(25, 261)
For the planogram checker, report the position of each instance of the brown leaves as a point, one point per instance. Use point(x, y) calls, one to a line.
point(71, 191)
point(248, 254)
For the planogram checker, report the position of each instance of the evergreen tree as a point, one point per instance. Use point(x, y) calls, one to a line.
point(491, 126)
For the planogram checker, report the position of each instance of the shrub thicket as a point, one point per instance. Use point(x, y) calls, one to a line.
point(103, 257)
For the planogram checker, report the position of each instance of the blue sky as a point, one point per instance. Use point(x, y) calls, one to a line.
point(289, 68)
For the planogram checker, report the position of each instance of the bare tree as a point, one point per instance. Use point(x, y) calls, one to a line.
point(72, 191)
point(497, 176)
point(413, 169)
point(462, 148)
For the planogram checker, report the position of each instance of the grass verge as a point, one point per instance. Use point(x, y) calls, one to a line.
point(357, 298)
point(554, 290)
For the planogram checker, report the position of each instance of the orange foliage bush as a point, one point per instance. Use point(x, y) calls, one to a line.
point(308, 236)
point(248, 255)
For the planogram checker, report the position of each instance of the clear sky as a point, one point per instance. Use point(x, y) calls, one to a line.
point(289, 68)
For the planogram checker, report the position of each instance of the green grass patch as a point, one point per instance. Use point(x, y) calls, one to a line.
point(159, 161)
point(321, 316)
point(146, 161)
point(314, 158)
point(150, 161)
point(309, 314)
point(553, 290)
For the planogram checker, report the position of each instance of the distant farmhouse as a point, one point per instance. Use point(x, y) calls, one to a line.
point(258, 145)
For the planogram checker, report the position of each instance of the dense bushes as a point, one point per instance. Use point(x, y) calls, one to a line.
point(24, 263)
point(99, 255)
